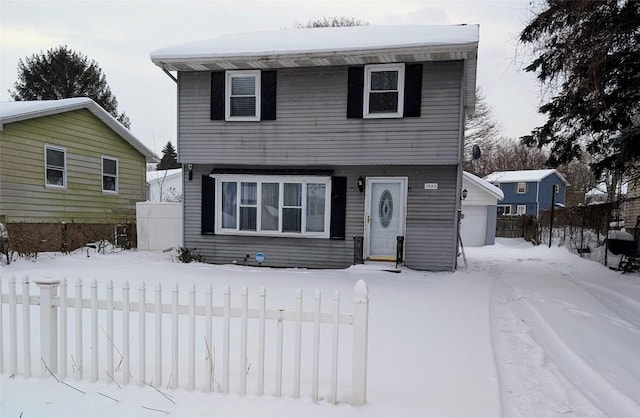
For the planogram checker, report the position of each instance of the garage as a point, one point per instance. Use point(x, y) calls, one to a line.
point(479, 207)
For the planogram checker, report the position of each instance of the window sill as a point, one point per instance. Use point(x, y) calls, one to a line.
point(321, 235)
point(242, 119)
point(382, 116)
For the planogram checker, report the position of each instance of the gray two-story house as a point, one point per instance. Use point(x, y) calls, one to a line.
point(296, 141)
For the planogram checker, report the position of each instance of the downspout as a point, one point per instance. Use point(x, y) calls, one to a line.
point(164, 68)
point(538, 200)
point(461, 124)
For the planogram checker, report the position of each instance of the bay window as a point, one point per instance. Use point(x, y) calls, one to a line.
point(273, 205)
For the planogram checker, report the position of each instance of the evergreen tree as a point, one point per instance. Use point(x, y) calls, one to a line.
point(61, 73)
point(169, 158)
point(587, 53)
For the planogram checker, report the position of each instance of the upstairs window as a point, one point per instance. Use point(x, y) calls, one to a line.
point(109, 175)
point(521, 188)
point(384, 91)
point(55, 167)
point(242, 96)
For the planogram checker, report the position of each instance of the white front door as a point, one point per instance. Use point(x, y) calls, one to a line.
point(385, 216)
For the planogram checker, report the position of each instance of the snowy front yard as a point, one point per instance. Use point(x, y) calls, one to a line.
point(522, 332)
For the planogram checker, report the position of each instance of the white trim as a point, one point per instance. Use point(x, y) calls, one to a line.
point(404, 182)
point(229, 75)
point(116, 176)
point(506, 207)
point(240, 178)
point(524, 189)
point(64, 171)
point(494, 190)
point(368, 69)
point(25, 110)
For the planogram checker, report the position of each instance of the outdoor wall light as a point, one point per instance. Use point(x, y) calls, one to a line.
point(464, 194)
point(361, 184)
point(190, 167)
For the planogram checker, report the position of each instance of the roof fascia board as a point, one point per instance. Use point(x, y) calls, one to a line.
point(317, 55)
point(97, 111)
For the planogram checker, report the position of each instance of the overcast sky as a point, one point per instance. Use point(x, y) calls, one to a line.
point(119, 35)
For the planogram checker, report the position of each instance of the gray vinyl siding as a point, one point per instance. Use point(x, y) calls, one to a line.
point(311, 127)
point(430, 242)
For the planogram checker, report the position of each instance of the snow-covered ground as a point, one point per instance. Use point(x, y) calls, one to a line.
point(521, 332)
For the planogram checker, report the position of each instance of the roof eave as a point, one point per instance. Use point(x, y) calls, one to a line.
point(98, 111)
point(465, 51)
point(320, 58)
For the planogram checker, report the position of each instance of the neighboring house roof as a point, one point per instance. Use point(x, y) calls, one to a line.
point(484, 185)
point(601, 189)
point(160, 175)
point(522, 176)
point(24, 110)
point(312, 47)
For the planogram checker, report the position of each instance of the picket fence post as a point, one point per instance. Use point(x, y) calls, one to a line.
point(26, 326)
point(360, 336)
point(48, 326)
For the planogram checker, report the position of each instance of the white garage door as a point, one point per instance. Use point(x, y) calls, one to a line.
point(474, 226)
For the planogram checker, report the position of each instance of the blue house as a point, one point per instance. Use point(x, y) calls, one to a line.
point(528, 192)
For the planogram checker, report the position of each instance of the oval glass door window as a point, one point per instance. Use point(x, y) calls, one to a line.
point(385, 209)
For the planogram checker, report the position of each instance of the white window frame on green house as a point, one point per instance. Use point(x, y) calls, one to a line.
point(232, 94)
point(51, 167)
point(113, 176)
point(521, 210)
point(371, 91)
point(243, 208)
point(521, 187)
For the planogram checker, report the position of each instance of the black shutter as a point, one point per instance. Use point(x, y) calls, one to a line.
point(217, 95)
point(268, 95)
point(208, 214)
point(412, 89)
point(338, 207)
point(355, 94)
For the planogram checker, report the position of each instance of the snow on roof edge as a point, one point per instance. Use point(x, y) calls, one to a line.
point(158, 175)
point(513, 176)
point(15, 111)
point(483, 184)
point(320, 40)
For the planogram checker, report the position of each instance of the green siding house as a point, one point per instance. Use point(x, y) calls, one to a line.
point(70, 173)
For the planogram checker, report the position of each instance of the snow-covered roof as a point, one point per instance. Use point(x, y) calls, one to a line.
point(311, 47)
point(321, 40)
point(24, 110)
point(522, 176)
point(620, 235)
point(484, 185)
point(601, 189)
point(153, 176)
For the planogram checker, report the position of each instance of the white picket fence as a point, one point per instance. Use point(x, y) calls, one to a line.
point(190, 318)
